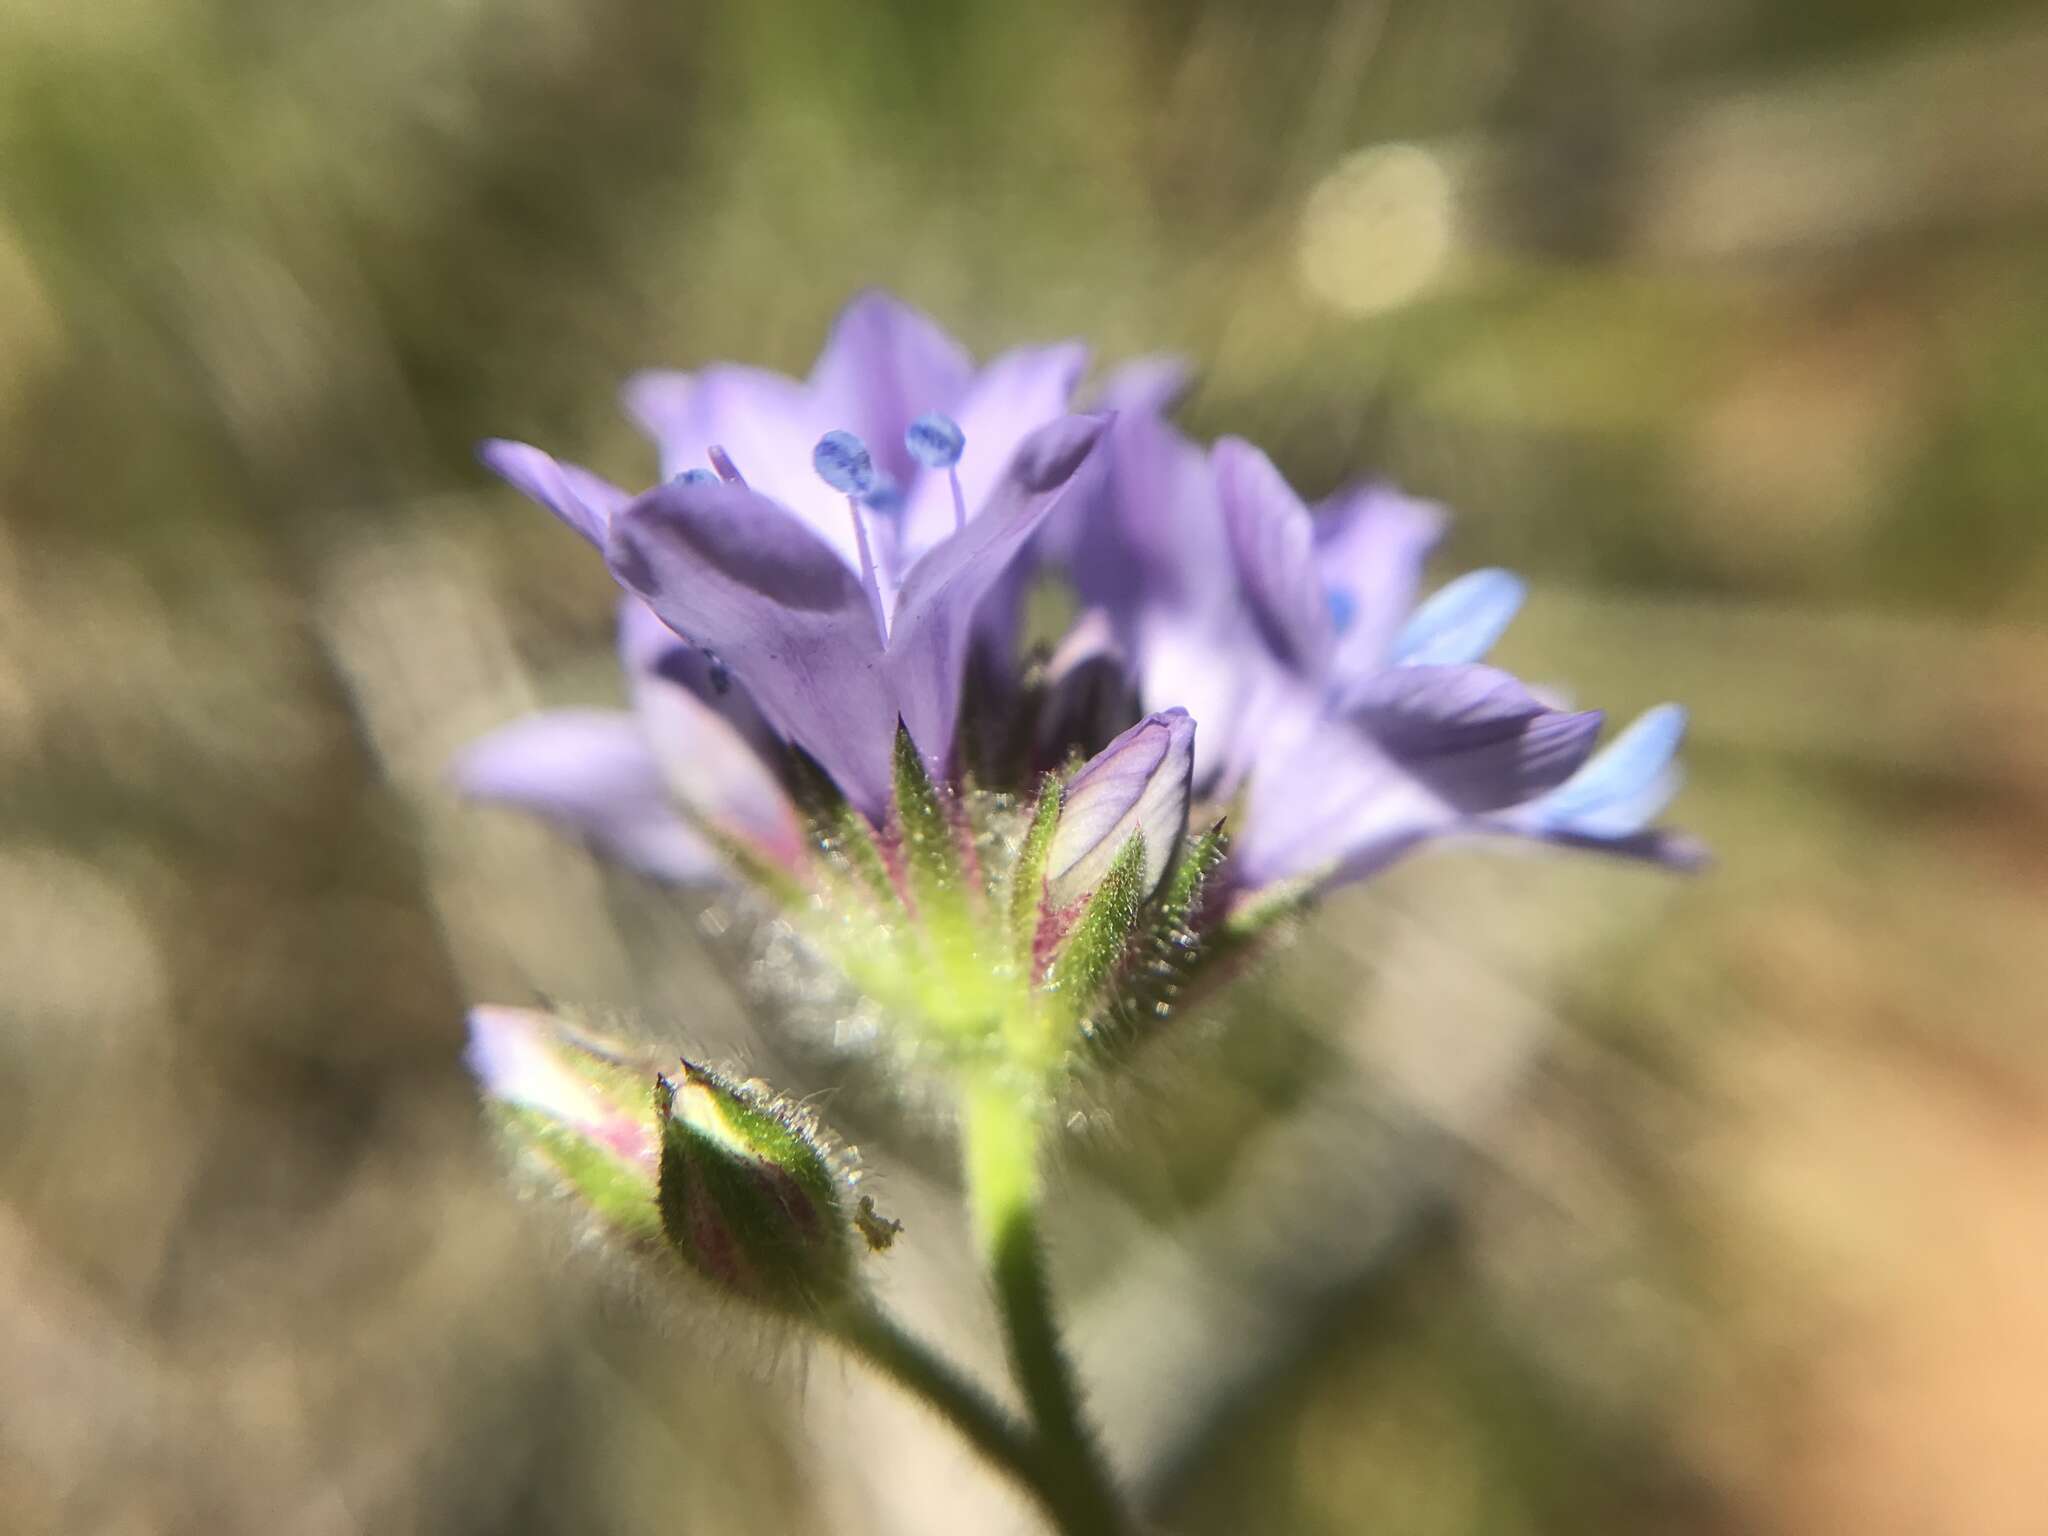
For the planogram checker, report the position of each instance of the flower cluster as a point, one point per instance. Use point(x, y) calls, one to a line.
point(1016, 844)
point(834, 701)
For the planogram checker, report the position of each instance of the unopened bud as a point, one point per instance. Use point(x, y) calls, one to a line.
point(750, 1197)
point(578, 1107)
point(1137, 784)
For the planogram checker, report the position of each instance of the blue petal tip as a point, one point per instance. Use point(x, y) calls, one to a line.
point(1461, 621)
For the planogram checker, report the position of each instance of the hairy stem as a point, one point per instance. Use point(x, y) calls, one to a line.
point(920, 1370)
point(1002, 1144)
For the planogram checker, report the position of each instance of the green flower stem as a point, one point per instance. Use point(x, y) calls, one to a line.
point(913, 1365)
point(1001, 1133)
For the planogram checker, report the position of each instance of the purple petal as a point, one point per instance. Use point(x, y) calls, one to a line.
point(535, 1061)
point(1151, 536)
point(1223, 675)
point(1169, 513)
point(720, 756)
point(686, 413)
point(579, 498)
point(1018, 393)
point(1153, 550)
point(733, 571)
point(1273, 538)
point(884, 365)
point(1139, 783)
point(662, 403)
point(1151, 385)
point(1011, 398)
point(935, 611)
point(649, 649)
point(1327, 803)
point(1332, 802)
point(1473, 735)
point(509, 1054)
point(766, 423)
point(1088, 691)
point(591, 772)
point(1371, 543)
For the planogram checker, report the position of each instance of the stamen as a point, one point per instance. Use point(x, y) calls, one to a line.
point(886, 497)
point(694, 477)
point(721, 675)
point(1343, 609)
point(721, 462)
point(936, 441)
point(842, 462)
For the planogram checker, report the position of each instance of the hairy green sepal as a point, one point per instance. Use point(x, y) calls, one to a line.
point(1090, 954)
point(749, 1197)
point(1027, 879)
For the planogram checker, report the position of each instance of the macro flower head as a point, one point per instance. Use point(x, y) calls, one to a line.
point(1254, 703)
point(830, 543)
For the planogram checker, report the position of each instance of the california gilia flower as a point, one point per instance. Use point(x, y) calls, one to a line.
point(1012, 851)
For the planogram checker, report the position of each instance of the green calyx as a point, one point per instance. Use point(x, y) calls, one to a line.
point(1027, 877)
point(750, 1197)
point(944, 916)
point(1094, 947)
point(1164, 949)
point(930, 847)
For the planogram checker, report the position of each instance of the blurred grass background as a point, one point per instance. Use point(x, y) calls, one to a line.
point(1518, 1196)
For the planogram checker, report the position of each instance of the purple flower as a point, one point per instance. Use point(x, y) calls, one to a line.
point(689, 770)
point(1350, 723)
point(884, 367)
point(831, 662)
point(830, 558)
point(852, 545)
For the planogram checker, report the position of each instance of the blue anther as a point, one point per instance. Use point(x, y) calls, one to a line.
point(1343, 609)
point(885, 496)
point(695, 477)
point(935, 440)
point(842, 462)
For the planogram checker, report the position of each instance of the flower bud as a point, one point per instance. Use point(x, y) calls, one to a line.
point(578, 1107)
point(750, 1198)
point(1137, 784)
